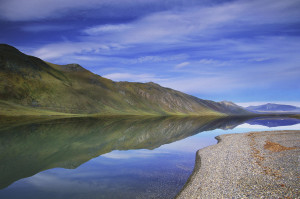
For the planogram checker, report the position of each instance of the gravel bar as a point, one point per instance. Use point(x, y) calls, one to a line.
point(249, 165)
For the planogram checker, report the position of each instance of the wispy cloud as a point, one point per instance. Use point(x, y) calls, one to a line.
point(130, 154)
point(166, 29)
point(249, 126)
point(72, 48)
point(156, 58)
point(133, 77)
point(53, 183)
point(203, 85)
point(183, 64)
point(212, 62)
point(106, 29)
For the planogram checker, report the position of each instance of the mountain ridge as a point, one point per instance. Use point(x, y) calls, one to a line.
point(45, 87)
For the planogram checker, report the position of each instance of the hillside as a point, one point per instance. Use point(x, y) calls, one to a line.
point(31, 86)
point(282, 108)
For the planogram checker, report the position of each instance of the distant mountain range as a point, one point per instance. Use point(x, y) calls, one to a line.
point(31, 86)
point(271, 108)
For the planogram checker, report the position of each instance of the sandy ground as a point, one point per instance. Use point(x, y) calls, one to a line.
point(250, 165)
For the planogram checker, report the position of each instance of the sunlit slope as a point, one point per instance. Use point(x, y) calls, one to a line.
point(30, 82)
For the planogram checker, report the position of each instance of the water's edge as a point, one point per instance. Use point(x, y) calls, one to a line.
point(190, 184)
point(196, 167)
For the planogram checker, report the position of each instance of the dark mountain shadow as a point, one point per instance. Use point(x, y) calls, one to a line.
point(27, 148)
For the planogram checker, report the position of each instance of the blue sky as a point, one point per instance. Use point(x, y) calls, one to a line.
point(242, 51)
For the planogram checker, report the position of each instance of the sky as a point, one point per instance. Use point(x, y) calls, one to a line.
point(243, 51)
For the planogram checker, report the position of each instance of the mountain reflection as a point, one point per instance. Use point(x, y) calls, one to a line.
point(27, 147)
point(273, 121)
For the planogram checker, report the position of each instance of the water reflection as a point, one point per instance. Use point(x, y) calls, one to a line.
point(33, 148)
point(273, 121)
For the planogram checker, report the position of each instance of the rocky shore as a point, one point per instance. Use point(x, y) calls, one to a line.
point(250, 165)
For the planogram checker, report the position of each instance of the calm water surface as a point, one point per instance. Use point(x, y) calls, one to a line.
point(110, 157)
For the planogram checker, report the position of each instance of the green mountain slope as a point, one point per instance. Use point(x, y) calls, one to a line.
point(36, 87)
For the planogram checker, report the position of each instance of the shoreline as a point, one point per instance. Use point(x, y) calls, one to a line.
point(248, 165)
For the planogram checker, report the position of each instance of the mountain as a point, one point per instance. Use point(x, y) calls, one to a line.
point(270, 108)
point(31, 86)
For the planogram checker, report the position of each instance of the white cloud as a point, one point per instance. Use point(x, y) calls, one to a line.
point(212, 62)
point(170, 28)
point(57, 50)
point(152, 59)
point(106, 29)
point(129, 154)
point(250, 126)
point(133, 77)
point(257, 11)
point(183, 64)
point(53, 183)
point(203, 85)
point(260, 59)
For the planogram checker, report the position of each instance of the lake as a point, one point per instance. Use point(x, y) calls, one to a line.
point(120, 157)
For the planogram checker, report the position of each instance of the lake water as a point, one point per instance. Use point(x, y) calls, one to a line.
point(110, 157)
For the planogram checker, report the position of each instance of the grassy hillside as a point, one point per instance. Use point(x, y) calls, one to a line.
point(31, 86)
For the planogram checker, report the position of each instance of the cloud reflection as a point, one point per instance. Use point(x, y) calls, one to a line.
point(133, 154)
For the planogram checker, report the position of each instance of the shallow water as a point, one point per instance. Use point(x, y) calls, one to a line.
point(110, 157)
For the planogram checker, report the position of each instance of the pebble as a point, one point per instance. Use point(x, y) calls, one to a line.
point(239, 166)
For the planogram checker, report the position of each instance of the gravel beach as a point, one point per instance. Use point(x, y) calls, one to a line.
point(249, 165)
